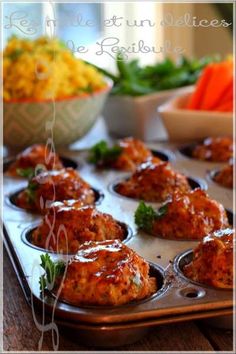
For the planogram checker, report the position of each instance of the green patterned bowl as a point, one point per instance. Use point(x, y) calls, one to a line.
point(64, 121)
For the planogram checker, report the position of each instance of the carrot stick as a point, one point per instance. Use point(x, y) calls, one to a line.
point(228, 94)
point(218, 83)
point(225, 107)
point(196, 98)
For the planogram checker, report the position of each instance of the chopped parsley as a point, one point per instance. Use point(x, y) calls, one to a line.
point(15, 54)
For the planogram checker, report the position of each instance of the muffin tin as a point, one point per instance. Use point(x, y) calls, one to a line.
point(26, 235)
point(177, 299)
point(66, 161)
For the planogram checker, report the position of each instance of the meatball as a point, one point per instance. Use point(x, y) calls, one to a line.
point(126, 155)
point(51, 186)
point(225, 176)
point(153, 182)
point(215, 149)
point(35, 155)
point(74, 203)
point(186, 216)
point(212, 262)
point(65, 228)
point(106, 273)
point(134, 153)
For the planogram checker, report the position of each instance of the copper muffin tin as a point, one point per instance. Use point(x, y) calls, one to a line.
point(178, 298)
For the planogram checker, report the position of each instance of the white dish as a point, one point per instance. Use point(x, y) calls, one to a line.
point(184, 124)
point(136, 116)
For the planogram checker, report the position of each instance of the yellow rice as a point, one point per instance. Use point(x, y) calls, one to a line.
point(45, 69)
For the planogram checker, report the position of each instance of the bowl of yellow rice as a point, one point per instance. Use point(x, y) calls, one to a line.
point(48, 92)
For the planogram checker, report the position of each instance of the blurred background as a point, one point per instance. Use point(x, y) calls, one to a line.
point(195, 41)
point(157, 76)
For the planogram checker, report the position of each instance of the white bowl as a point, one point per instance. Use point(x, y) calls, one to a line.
point(136, 116)
point(185, 124)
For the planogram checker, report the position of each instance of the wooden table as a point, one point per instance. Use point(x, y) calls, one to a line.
point(21, 334)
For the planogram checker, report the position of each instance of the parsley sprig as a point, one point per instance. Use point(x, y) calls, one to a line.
point(145, 215)
point(30, 190)
point(32, 186)
point(101, 153)
point(25, 172)
point(52, 271)
point(30, 172)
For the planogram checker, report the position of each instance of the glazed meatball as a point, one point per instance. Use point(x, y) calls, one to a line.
point(74, 203)
point(225, 176)
point(65, 228)
point(212, 262)
point(215, 149)
point(51, 186)
point(134, 153)
point(106, 273)
point(126, 155)
point(153, 182)
point(186, 216)
point(35, 155)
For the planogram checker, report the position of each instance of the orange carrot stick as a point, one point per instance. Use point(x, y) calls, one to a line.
point(225, 107)
point(196, 98)
point(228, 94)
point(218, 83)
